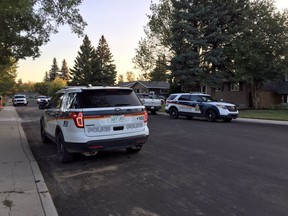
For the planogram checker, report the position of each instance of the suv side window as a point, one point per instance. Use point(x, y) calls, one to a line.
point(71, 101)
point(184, 97)
point(56, 101)
point(196, 98)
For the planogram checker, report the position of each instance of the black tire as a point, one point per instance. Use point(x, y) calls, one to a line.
point(211, 116)
point(153, 112)
point(63, 155)
point(133, 150)
point(227, 119)
point(173, 113)
point(44, 138)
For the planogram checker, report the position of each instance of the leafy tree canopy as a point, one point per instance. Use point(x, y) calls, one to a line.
point(27, 24)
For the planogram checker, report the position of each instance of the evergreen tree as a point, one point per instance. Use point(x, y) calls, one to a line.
point(201, 33)
point(104, 70)
point(54, 71)
point(65, 73)
point(160, 71)
point(46, 77)
point(82, 73)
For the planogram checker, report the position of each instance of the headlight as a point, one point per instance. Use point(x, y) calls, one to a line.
point(221, 106)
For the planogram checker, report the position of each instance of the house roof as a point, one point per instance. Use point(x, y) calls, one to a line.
point(147, 84)
point(126, 84)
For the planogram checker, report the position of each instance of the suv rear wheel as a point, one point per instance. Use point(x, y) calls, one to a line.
point(133, 149)
point(173, 113)
point(63, 155)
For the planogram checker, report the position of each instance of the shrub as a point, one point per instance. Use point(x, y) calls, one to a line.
point(282, 106)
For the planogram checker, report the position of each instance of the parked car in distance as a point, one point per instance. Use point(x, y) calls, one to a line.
point(90, 119)
point(42, 98)
point(151, 102)
point(19, 99)
point(199, 105)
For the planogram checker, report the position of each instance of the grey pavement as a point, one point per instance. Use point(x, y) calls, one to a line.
point(260, 121)
point(23, 191)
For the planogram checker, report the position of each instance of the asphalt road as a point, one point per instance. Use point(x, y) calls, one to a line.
point(188, 167)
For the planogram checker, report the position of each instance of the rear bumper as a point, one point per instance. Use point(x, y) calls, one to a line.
point(108, 144)
point(149, 108)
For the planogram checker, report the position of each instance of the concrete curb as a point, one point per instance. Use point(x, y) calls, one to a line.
point(43, 192)
point(259, 121)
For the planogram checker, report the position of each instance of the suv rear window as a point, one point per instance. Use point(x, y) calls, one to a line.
point(108, 98)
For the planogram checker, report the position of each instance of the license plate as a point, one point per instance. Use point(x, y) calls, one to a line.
point(152, 107)
point(99, 129)
point(117, 119)
point(134, 126)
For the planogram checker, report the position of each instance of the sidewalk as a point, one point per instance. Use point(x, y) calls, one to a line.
point(23, 191)
point(262, 121)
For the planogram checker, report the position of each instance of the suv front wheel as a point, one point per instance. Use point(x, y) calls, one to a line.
point(211, 115)
point(63, 155)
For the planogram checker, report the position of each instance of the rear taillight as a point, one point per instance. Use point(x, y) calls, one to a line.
point(78, 119)
point(145, 116)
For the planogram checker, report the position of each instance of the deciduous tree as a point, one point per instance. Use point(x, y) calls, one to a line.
point(26, 25)
point(261, 47)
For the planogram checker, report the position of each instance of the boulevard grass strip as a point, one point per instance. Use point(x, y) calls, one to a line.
point(279, 115)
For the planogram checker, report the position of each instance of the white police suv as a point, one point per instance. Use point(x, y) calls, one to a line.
point(200, 105)
point(91, 119)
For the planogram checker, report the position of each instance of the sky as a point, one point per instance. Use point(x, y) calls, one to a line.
point(120, 21)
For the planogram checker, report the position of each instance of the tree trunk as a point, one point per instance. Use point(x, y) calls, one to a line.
point(255, 96)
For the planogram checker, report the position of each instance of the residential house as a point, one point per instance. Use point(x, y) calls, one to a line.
point(155, 87)
point(240, 94)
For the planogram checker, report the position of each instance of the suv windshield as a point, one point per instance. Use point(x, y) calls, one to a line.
point(19, 96)
point(108, 98)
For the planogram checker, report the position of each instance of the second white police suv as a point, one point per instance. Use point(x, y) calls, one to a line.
point(199, 105)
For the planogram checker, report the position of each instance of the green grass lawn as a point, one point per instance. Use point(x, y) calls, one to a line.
point(281, 115)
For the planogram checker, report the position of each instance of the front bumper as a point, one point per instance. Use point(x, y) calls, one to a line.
point(107, 144)
point(229, 116)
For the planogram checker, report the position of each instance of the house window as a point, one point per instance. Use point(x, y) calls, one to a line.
point(235, 86)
